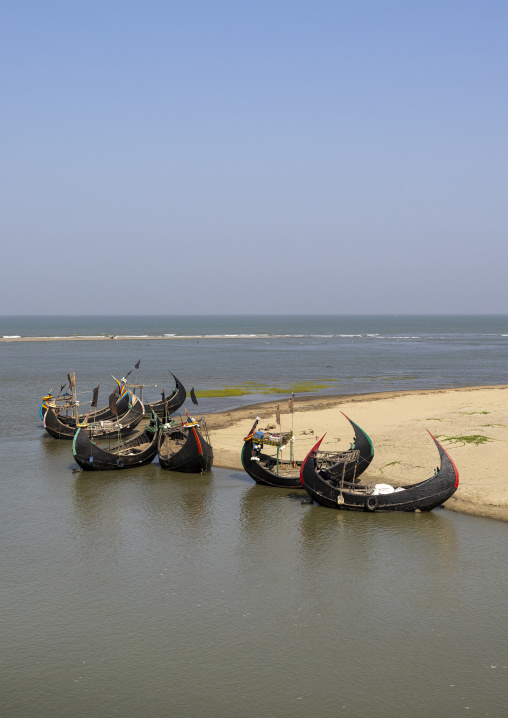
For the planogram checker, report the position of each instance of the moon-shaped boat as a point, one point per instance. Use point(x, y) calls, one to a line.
point(182, 447)
point(285, 473)
point(336, 494)
point(135, 451)
point(64, 401)
point(59, 429)
point(167, 406)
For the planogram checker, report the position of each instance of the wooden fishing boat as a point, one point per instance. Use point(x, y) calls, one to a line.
point(58, 428)
point(92, 454)
point(349, 465)
point(58, 402)
point(182, 447)
point(423, 496)
point(66, 402)
point(169, 404)
point(273, 470)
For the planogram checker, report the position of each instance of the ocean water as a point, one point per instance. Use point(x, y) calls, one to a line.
point(149, 593)
point(347, 355)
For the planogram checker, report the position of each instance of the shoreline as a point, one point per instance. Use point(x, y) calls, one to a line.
point(397, 422)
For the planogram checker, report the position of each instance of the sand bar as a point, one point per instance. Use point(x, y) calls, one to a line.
point(397, 423)
point(134, 337)
point(91, 338)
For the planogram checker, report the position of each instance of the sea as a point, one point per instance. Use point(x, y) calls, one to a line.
point(150, 593)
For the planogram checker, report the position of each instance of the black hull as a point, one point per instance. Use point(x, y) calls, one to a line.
point(59, 429)
point(350, 472)
point(172, 403)
point(424, 496)
point(104, 414)
point(194, 455)
point(264, 471)
point(133, 452)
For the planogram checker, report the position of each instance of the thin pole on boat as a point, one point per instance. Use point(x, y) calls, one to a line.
point(136, 365)
point(277, 421)
point(71, 376)
point(165, 406)
point(95, 401)
point(291, 408)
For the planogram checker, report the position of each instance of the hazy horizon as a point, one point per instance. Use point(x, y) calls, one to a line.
point(285, 314)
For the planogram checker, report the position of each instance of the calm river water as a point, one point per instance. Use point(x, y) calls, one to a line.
point(146, 593)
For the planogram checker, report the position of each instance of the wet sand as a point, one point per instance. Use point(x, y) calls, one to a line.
point(397, 423)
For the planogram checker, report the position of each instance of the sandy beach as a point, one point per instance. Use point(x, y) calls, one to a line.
point(397, 423)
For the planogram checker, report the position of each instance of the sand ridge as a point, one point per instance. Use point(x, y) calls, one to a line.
point(398, 424)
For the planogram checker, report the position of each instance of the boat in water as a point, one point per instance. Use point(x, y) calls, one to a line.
point(185, 446)
point(94, 453)
point(165, 406)
point(58, 426)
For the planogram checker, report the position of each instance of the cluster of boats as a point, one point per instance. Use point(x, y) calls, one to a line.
point(332, 478)
point(110, 438)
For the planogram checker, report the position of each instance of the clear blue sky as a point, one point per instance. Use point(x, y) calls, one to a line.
point(254, 157)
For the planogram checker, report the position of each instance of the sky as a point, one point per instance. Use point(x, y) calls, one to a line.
point(233, 157)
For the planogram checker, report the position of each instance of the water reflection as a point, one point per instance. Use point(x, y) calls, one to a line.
point(260, 507)
point(186, 500)
point(372, 552)
point(143, 500)
point(51, 447)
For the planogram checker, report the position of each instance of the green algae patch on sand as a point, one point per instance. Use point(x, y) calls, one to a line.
point(226, 391)
point(470, 413)
point(307, 386)
point(255, 388)
point(475, 439)
point(392, 463)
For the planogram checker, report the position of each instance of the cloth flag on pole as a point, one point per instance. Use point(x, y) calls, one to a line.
point(95, 396)
point(251, 432)
point(72, 379)
point(112, 404)
point(291, 403)
point(193, 396)
point(277, 415)
point(136, 366)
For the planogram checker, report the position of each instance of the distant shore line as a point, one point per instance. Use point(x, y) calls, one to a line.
point(148, 337)
point(114, 337)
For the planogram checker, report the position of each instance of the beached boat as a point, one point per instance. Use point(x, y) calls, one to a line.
point(182, 447)
point(60, 428)
point(91, 455)
point(423, 496)
point(273, 470)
